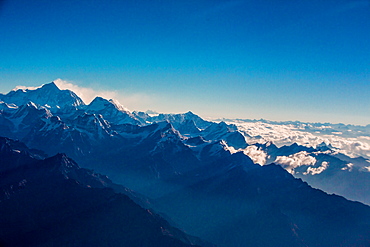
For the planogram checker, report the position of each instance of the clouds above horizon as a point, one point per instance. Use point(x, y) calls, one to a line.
point(133, 101)
point(287, 134)
point(87, 94)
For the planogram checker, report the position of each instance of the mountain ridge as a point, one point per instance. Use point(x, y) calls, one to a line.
point(55, 202)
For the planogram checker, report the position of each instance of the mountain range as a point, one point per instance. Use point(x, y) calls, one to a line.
point(212, 180)
point(54, 202)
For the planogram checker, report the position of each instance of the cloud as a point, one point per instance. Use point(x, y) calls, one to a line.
point(301, 159)
point(85, 93)
point(25, 88)
point(348, 167)
point(295, 160)
point(287, 134)
point(365, 169)
point(317, 170)
point(136, 101)
point(258, 156)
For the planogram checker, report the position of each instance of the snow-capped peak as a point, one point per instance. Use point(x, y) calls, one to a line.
point(24, 88)
point(112, 111)
point(48, 95)
point(99, 104)
point(118, 105)
point(49, 86)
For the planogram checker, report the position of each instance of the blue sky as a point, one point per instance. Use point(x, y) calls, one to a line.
point(302, 60)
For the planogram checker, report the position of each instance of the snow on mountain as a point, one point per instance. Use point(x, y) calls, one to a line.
point(56, 120)
point(5, 106)
point(99, 104)
point(48, 95)
point(170, 155)
point(210, 150)
point(93, 125)
point(17, 122)
point(111, 110)
point(181, 119)
point(226, 132)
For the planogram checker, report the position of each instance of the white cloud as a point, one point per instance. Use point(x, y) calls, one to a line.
point(258, 156)
point(85, 93)
point(293, 161)
point(365, 169)
point(287, 134)
point(135, 101)
point(25, 88)
point(317, 170)
point(348, 167)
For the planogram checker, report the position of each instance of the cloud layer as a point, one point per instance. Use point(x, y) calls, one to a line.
point(354, 145)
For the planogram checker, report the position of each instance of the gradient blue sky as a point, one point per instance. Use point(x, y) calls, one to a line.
point(302, 60)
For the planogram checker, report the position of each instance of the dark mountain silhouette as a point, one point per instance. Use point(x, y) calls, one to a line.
point(54, 202)
point(242, 204)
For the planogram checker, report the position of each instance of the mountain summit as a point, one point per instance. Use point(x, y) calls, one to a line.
point(111, 110)
point(48, 95)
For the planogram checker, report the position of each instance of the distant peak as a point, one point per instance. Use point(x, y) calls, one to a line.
point(113, 101)
point(100, 103)
point(222, 123)
point(269, 143)
point(151, 112)
point(61, 160)
point(164, 125)
point(98, 98)
point(50, 86)
point(118, 105)
point(60, 156)
point(24, 88)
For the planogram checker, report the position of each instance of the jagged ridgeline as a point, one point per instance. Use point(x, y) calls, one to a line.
point(194, 173)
